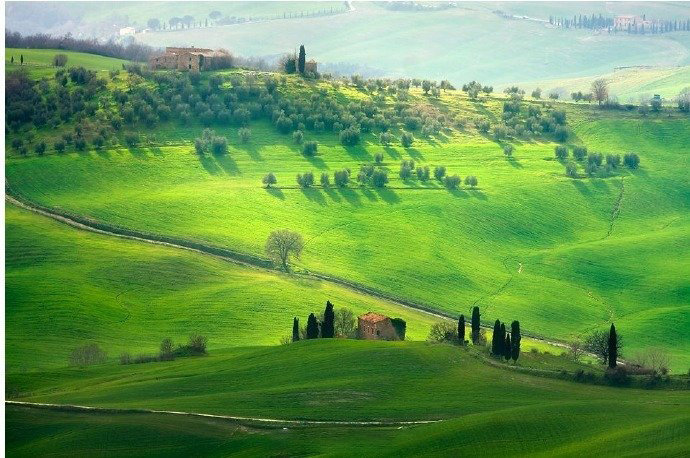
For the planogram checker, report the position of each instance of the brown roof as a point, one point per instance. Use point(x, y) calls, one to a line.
point(373, 317)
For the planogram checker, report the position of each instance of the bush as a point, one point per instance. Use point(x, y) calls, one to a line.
point(87, 355)
point(617, 376)
point(131, 140)
point(125, 358)
point(423, 173)
point(60, 146)
point(471, 181)
point(406, 139)
point(325, 180)
point(579, 153)
point(98, 141)
point(59, 60)
point(379, 178)
point(80, 144)
point(298, 137)
point(341, 177)
point(349, 136)
point(40, 148)
point(199, 146)
point(561, 152)
point(284, 124)
point(385, 138)
point(560, 134)
point(452, 181)
point(244, 134)
point(443, 331)
point(613, 160)
point(306, 180)
point(595, 158)
point(571, 170)
point(310, 148)
point(631, 160)
point(269, 179)
point(197, 344)
point(439, 172)
point(508, 150)
point(219, 145)
point(378, 158)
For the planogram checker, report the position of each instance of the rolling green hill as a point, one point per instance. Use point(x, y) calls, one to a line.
point(39, 62)
point(563, 256)
point(482, 405)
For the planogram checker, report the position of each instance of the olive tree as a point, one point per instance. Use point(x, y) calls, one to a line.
point(282, 244)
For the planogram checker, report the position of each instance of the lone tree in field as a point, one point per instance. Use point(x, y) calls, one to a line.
point(295, 329)
point(515, 343)
point(328, 325)
point(461, 329)
point(312, 327)
point(600, 90)
point(475, 325)
point(301, 59)
point(613, 347)
point(269, 179)
point(282, 244)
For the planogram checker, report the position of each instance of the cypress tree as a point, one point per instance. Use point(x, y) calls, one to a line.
point(461, 329)
point(328, 326)
point(295, 329)
point(613, 347)
point(312, 327)
point(475, 325)
point(21, 59)
point(502, 341)
point(506, 347)
point(515, 349)
point(495, 338)
point(301, 59)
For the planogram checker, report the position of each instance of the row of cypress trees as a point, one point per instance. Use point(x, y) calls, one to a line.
point(475, 327)
point(501, 343)
point(325, 329)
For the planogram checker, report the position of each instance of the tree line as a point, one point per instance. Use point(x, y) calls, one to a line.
point(329, 324)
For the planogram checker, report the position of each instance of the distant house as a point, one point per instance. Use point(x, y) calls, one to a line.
point(187, 59)
point(310, 66)
point(127, 31)
point(374, 326)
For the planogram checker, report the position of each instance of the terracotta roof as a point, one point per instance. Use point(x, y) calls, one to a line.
point(373, 317)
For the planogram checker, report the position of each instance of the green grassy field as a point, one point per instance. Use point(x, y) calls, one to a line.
point(541, 415)
point(628, 85)
point(39, 62)
point(459, 44)
point(528, 244)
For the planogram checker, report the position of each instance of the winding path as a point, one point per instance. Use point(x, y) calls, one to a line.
point(264, 421)
point(243, 259)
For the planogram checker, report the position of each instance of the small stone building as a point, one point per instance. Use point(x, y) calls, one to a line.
point(186, 59)
point(373, 326)
point(310, 66)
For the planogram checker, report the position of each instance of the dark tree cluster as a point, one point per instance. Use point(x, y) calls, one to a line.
point(323, 328)
point(210, 142)
point(506, 345)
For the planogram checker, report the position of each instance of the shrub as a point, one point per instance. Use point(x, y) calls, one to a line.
point(325, 180)
point(452, 181)
point(87, 355)
point(631, 160)
point(244, 134)
point(560, 133)
point(561, 152)
point(199, 146)
point(405, 170)
point(595, 158)
point(571, 170)
point(131, 139)
point(439, 172)
point(508, 149)
point(579, 153)
point(379, 178)
point(613, 160)
point(166, 350)
point(471, 181)
point(17, 143)
point(385, 138)
point(143, 358)
point(80, 144)
point(406, 139)
point(306, 180)
point(310, 148)
point(125, 358)
point(60, 146)
point(219, 145)
point(423, 173)
point(443, 331)
point(269, 179)
point(98, 141)
point(298, 137)
point(59, 60)
point(284, 124)
point(40, 148)
point(378, 158)
point(341, 177)
point(349, 136)
point(197, 344)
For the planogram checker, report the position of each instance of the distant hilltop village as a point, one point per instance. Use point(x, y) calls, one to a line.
point(189, 59)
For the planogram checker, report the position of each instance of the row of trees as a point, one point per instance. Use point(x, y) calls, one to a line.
point(329, 324)
point(595, 161)
point(502, 345)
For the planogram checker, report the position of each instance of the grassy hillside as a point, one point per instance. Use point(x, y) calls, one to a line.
point(483, 405)
point(39, 62)
point(564, 256)
point(66, 288)
point(446, 44)
point(628, 85)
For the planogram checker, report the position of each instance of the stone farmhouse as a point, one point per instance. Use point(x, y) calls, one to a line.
point(186, 59)
point(373, 326)
point(310, 66)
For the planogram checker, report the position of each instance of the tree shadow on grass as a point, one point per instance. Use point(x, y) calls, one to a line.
point(103, 153)
point(582, 188)
point(359, 152)
point(601, 185)
point(209, 164)
point(252, 151)
point(156, 150)
point(226, 163)
point(388, 195)
point(316, 161)
point(369, 195)
point(415, 154)
point(330, 192)
point(457, 192)
point(350, 196)
point(276, 192)
point(477, 193)
point(138, 152)
point(314, 195)
point(513, 162)
point(392, 152)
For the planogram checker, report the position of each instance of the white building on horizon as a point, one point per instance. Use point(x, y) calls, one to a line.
point(127, 31)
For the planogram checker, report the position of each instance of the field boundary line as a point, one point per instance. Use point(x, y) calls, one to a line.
point(266, 421)
point(246, 260)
